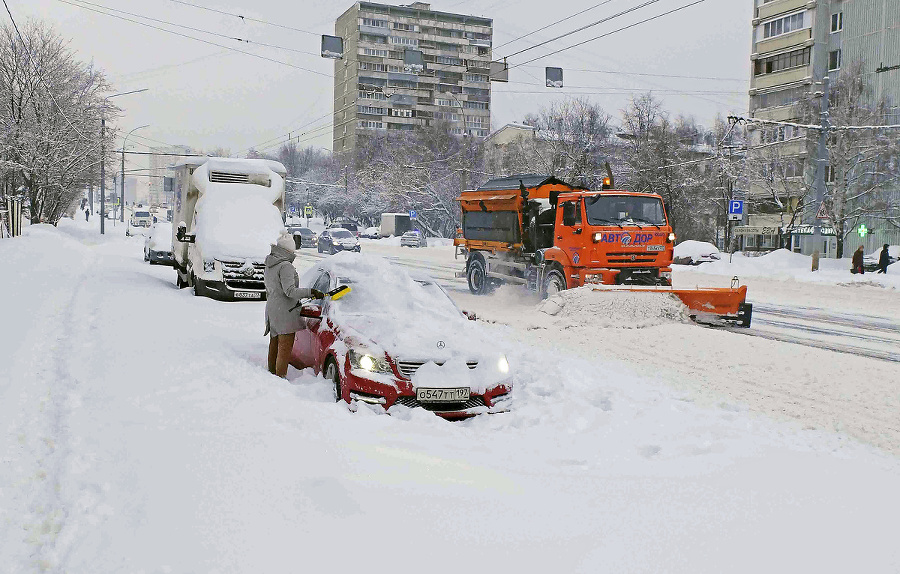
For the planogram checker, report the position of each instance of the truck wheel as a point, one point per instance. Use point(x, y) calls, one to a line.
point(477, 278)
point(554, 282)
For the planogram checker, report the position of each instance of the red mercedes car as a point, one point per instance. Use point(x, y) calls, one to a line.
point(397, 339)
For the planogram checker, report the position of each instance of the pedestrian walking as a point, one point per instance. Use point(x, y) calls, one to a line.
point(283, 292)
point(883, 260)
point(856, 264)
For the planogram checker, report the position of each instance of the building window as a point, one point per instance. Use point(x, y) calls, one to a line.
point(404, 41)
point(780, 134)
point(374, 23)
point(372, 66)
point(363, 95)
point(374, 52)
point(475, 78)
point(779, 98)
point(476, 105)
point(401, 113)
point(403, 26)
point(370, 125)
point(784, 25)
point(834, 60)
point(371, 110)
point(780, 62)
point(837, 22)
point(450, 60)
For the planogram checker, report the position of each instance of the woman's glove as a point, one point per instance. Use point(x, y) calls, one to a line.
point(316, 294)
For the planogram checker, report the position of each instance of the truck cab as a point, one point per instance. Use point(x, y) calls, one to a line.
point(612, 237)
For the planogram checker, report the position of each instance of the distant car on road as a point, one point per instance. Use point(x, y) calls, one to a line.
point(303, 236)
point(337, 239)
point(413, 238)
point(349, 226)
point(141, 219)
point(398, 339)
point(158, 245)
point(370, 233)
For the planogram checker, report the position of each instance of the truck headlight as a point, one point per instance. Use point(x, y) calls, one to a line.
point(597, 237)
point(503, 365)
point(671, 238)
point(365, 361)
point(209, 265)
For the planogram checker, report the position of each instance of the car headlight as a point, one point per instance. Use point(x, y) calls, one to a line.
point(209, 265)
point(503, 365)
point(367, 362)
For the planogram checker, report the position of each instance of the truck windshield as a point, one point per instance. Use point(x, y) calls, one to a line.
point(616, 209)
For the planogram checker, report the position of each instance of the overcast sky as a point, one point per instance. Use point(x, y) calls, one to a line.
point(207, 96)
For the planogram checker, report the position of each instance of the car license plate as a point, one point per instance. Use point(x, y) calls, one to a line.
point(656, 248)
point(247, 295)
point(454, 395)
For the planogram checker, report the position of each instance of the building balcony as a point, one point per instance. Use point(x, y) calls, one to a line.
point(778, 78)
point(797, 38)
point(780, 7)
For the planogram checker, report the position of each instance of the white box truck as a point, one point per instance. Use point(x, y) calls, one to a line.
point(395, 224)
point(226, 216)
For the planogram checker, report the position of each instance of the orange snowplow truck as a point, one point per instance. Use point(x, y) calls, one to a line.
point(548, 235)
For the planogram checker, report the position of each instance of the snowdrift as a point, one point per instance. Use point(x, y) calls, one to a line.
point(585, 307)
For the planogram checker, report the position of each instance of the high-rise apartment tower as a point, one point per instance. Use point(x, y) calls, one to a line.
point(375, 90)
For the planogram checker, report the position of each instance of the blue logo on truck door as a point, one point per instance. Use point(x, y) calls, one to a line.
point(626, 239)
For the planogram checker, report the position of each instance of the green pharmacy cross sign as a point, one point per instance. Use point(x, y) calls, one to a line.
point(863, 230)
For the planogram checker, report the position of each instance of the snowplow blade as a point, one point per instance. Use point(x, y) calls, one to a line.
point(708, 305)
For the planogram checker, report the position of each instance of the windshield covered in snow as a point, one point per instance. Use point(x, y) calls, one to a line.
point(341, 234)
point(142, 214)
point(617, 209)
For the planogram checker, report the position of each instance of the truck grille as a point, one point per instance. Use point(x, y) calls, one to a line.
point(408, 368)
point(223, 177)
point(627, 257)
point(236, 276)
point(411, 402)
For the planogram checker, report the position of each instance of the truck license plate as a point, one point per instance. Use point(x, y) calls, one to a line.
point(656, 248)
point(247, 295)
point(442, 395)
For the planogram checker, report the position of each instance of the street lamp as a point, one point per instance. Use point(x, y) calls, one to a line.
point(103, 159)
point(124, 141)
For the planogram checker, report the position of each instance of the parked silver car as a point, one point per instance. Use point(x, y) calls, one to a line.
point(413, 238)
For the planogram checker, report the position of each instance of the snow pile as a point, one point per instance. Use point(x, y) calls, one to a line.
point(590, 307)
point(692, 252)
point(786, 265)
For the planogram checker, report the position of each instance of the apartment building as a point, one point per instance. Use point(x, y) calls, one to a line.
point(162, 165)
point(795, 44)
point(375, 91)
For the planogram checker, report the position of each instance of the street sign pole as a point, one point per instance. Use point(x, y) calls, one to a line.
point(821, 164)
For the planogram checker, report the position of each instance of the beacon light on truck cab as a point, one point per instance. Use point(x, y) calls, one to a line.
point(548, 235)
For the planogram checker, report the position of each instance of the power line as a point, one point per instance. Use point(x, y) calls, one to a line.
point(553, 24)
point(202, 31)
point(585, 27)
point(661, 90)
point(245, 18)
point(612, 32)
point(261, 57)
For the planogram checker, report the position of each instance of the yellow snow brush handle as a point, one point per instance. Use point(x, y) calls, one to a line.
point(336, 294)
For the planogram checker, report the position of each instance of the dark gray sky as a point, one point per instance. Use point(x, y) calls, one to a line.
point(207, 96)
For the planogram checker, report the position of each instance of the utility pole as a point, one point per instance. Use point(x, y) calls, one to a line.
point(821, 166)
point(102, 176)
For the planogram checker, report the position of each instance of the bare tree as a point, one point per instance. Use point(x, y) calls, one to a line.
point(50, 116)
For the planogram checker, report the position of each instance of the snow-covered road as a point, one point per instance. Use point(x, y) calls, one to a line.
point(142, 433)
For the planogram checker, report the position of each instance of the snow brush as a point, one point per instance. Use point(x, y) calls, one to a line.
point(338, 292)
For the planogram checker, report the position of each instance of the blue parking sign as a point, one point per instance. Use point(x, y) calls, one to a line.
point(735, 207)
point(412, 214)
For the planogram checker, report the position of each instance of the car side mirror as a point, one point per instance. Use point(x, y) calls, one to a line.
point(568, 214)
point(311, 311)
point(182, 235)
